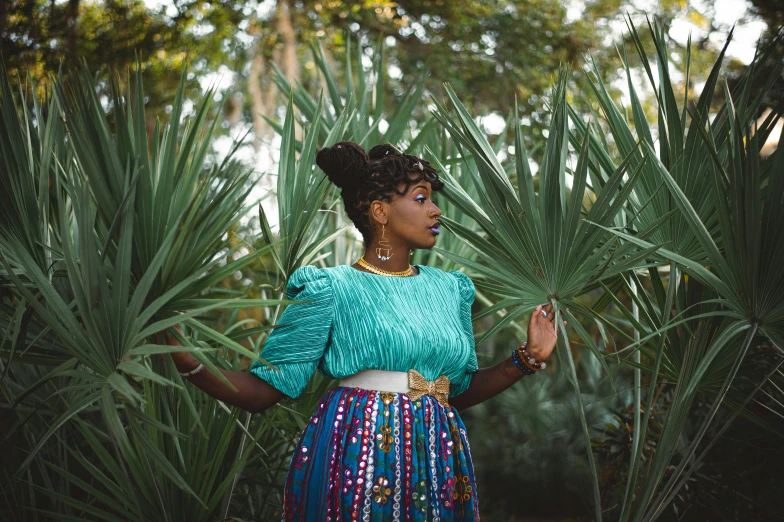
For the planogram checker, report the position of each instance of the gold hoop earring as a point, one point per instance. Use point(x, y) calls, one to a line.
point(384, 245)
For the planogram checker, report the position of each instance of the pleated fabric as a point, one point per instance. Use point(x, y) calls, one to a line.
point(353, 321)
point(365, 454)
point(376, 456)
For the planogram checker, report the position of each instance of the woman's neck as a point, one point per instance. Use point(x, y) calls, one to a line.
point(397, 259)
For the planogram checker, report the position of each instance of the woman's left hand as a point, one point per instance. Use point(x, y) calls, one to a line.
point(541, 333)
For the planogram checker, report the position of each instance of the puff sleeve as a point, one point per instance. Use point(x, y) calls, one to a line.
point(467, 294)
point(296, 347)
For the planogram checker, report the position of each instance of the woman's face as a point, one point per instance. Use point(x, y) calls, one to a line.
point(411, 218)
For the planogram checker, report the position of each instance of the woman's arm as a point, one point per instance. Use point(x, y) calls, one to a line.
point(489, 382)
point(252, 394)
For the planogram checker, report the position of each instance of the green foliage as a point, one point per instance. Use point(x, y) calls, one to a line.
point(662, 253)
point(535, 249)
point(530, 439)
point(721, 237)
point(134, 233)
point(493, 49)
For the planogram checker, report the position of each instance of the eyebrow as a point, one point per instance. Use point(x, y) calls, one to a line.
point(419, 186)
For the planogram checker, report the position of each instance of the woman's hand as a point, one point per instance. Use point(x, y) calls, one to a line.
point(170, 340)
point(184, 361)
point(541, 333)
point(246, 391)
point(489, 382)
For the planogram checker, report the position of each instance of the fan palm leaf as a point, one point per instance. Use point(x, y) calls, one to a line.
point(361, 104)
point(740, 256)
point(139, 234)
point(537, 248)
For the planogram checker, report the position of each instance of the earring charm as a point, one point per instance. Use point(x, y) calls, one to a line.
point(383, 245)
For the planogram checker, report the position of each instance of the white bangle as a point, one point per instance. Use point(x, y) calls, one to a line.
point(196, 370)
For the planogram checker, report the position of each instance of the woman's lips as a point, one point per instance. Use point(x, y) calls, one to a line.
point(434, 230)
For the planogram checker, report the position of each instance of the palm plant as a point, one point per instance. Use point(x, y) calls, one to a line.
point(136, 227)
point(708, 178)
point(679, 150)
point(538, 249)
point(301, 193)
point(171, 466)
point(30, 142)
point(109, 236)
point(190, 204)
point(443, 147)
point(743, 269)
point(119, 268)
point(355, 111)
point(542, 418)
point(361, 106)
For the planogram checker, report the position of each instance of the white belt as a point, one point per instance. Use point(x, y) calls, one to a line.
point(381, 380)
point(412, 383)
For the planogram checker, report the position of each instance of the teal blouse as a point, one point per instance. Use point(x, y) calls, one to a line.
point(357, 320)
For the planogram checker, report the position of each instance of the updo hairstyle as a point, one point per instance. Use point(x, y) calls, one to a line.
point(366, 177)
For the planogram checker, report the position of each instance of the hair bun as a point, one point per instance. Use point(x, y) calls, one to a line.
point(382, 151)
point(344, 163)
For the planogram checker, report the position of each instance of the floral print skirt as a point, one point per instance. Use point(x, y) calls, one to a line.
point(378, 456)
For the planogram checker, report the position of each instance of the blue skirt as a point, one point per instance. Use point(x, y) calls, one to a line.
point(378, 456)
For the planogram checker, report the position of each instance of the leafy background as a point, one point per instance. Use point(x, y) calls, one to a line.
point(122, 208)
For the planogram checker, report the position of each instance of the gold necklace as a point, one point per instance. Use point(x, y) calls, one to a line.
point(364, 264)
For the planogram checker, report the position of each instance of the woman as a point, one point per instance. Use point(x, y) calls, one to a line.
point(387, 443)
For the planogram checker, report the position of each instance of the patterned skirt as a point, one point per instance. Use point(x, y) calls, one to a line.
point(378, 456)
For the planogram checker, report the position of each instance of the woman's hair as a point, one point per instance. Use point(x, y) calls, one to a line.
point(366, 177)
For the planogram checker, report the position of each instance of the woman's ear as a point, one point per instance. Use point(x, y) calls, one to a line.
point(378, 212)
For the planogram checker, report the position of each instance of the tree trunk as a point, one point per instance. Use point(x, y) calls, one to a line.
point(288, 53)
point(288, 61)
point(284, 56)
point(73, 18)
point(264, 94)
point(35, 32)
point(3, 17)
point(258, 108)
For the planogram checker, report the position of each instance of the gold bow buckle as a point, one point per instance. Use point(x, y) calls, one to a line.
point(420, 386)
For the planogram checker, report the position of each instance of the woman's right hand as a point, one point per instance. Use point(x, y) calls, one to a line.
point(246, 391)
point(182, 360)
point(169, 338)
point(542, 333)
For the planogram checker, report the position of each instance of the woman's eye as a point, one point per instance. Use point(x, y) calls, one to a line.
point(420, 198)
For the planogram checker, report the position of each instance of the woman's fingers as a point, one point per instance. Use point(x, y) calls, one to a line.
point(546, 313)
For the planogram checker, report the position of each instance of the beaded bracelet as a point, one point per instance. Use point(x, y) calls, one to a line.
point(520, 366)
point(525, 362)
point(196, 370)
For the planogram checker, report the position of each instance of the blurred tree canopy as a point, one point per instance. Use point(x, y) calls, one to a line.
point(490, 51)
point(772, 12)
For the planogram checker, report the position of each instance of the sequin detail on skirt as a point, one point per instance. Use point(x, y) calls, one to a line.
point(377, 456)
